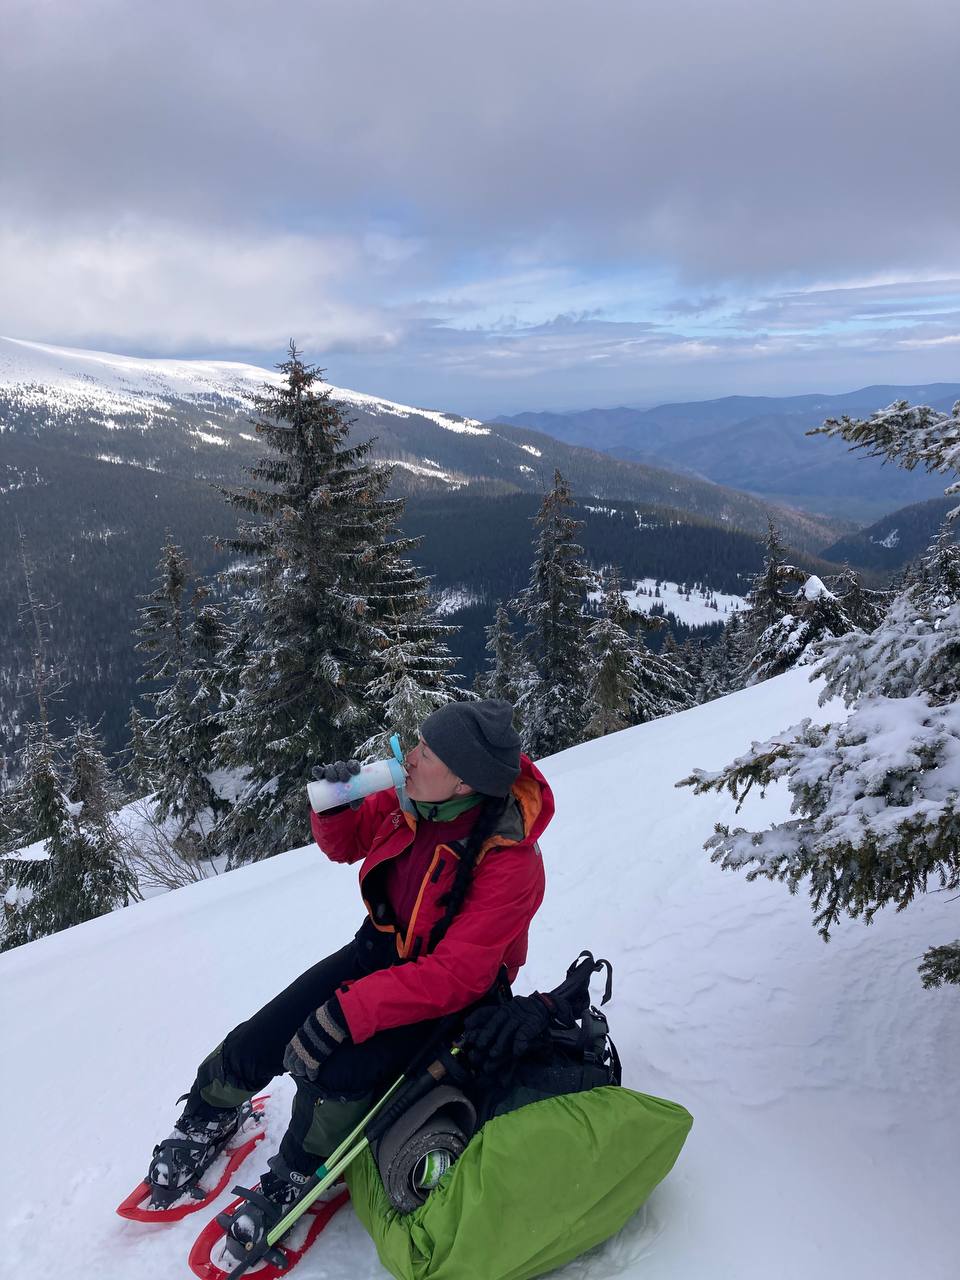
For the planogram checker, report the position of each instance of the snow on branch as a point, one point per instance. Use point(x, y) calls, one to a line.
point(864, 791)
point(875, 799)
point(915, 436)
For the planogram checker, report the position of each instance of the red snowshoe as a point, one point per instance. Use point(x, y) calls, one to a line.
point(210, 1260)
point(216, 1175)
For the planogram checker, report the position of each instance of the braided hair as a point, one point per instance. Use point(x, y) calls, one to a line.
point(492, 809)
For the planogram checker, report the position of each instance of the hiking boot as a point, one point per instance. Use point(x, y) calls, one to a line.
point(181, 1159)
point(245, 1230)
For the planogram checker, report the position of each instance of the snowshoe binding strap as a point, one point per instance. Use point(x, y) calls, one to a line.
point(247, 1253)
point(179, 1156)
point(187, 1159)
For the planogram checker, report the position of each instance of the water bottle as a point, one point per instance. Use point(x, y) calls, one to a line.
point(372, 777)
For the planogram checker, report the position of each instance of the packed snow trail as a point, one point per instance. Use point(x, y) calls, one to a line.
point(822, 1079)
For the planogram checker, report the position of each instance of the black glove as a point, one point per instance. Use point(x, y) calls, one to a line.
point(325, 1030)
point(494, 1035)
point(339, 771)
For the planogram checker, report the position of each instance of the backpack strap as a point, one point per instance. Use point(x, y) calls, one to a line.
point(575, 988)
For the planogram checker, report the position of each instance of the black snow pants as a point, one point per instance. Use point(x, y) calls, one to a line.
point(349, 1080)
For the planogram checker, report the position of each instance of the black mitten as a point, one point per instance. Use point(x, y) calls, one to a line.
point(339, 771)
point(495, 1035)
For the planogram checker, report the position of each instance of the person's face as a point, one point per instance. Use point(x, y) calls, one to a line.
point(428, 778)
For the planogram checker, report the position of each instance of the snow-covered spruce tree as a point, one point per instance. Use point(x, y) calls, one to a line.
point(78, 873)
point(412, 671)
point(774, 587)
point(182, 639)
point(876, 798)
point(506, 660)
point(162, 630)
point(140, 766)
point(916, 436)
point(91, 782)
point(663, 686)
point(864, 607)
point(11, 816)
point(815, 613)
point(722, 665)
point(772, 598)
point(317, 538)
point(553, 697)
point(44, 814)
point(613, 691)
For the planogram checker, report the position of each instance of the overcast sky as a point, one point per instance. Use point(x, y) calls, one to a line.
point(491, 205)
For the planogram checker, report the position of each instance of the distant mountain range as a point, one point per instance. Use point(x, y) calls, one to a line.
point(759, 444)
point(191, 419)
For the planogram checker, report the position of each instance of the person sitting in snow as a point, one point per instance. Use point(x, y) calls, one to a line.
point(450, 890)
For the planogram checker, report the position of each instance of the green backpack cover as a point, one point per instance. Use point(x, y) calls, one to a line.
point(532, 1190)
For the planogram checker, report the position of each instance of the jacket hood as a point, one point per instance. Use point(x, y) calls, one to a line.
point(530, 809)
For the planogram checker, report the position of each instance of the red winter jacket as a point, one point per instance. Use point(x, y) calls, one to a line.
point(489, 931)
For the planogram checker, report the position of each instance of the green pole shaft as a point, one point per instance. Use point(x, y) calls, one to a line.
point(333, 1166)
point(333, 1173)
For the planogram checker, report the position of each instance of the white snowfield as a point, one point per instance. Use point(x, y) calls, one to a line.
point(822, 1079)
point(118, 383)
point(691, 606)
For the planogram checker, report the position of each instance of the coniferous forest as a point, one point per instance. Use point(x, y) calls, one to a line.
point(313, 626)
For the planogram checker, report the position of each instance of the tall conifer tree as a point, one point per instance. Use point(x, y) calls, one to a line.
point(412, 671)
point(613, 689)
point(79, 872)
point(663, 685)
point(553, 701)
point(815, 613)
point(506, 662)
point(772, 598)
point(321, 576)
point(182, 636)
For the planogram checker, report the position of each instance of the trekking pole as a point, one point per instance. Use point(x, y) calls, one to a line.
point(353, 1145)
point(357, 1140)
point(333, 1166)
point(326, 1176)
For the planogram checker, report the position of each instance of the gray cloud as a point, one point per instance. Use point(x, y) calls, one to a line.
point(813, 307)
point(490, 205)
point(483, 372)
point(692, 306)
point(734, 140)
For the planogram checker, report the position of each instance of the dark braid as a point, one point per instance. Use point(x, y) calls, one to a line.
point(491, 811)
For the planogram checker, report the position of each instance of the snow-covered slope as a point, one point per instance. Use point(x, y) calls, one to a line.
point(822, 1080)
point(99, 379)
point(689, 604)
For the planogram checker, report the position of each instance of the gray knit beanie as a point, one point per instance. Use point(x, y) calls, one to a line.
point(477, 742)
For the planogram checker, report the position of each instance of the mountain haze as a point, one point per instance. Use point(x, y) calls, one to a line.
point(759, 444)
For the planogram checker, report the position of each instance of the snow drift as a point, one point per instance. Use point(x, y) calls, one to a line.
point(822, 1080)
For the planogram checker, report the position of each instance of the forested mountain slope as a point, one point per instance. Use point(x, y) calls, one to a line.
point(101, 455)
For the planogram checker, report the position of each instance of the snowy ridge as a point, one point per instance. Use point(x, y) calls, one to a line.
point(822, 1079)
point(115, 383)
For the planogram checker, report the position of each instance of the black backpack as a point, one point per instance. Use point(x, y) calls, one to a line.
point(575, 1059)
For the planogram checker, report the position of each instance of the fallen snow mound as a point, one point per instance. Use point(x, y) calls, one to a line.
point(822, 1080)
